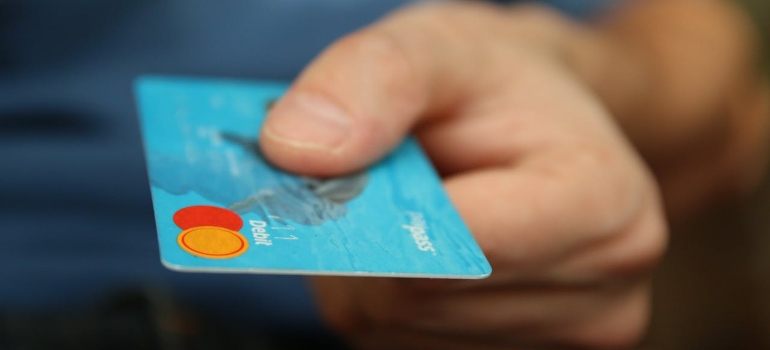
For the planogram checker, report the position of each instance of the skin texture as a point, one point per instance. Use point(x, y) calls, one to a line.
point(554, 140)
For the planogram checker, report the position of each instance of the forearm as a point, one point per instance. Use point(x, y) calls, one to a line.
point(682, 79)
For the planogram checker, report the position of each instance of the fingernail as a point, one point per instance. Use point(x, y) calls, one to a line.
point(308, 121)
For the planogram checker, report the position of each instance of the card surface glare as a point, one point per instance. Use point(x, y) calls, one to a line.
point(220, 207)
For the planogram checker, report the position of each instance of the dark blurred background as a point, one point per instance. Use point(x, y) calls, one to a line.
point(711, 292)
point(713, 288)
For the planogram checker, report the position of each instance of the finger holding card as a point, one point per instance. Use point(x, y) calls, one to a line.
point(562, 206)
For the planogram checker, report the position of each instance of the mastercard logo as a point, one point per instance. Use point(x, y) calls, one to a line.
point(210, 232)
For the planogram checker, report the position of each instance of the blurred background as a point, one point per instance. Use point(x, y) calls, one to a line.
point(72, 168)
point(713, 289)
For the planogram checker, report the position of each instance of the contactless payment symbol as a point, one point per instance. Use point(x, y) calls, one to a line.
point(210, 232)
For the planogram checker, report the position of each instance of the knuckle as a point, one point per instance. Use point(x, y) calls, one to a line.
point(611, 191)
point(622, 191)
point(642, 246)
point(623, 198)
point(650, 249)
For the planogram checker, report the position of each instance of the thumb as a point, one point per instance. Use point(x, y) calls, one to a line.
point(361, 96)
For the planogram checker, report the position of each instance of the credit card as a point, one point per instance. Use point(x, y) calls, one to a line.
point(221, 207)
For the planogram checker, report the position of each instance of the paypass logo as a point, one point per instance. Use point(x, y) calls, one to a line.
point(419, 230)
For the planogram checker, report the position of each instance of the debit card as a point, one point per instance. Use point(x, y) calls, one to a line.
point(221, 207)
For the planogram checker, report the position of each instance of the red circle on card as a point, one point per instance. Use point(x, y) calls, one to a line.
point(206, 215)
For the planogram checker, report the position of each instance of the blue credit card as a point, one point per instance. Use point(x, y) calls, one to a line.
point(221, 207)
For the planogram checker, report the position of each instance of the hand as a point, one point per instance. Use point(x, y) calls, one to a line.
point(562, 206)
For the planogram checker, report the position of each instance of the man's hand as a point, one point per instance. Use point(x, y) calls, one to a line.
point(563, 207)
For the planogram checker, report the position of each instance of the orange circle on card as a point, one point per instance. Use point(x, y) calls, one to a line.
point(212, 242)
point(206, 215)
